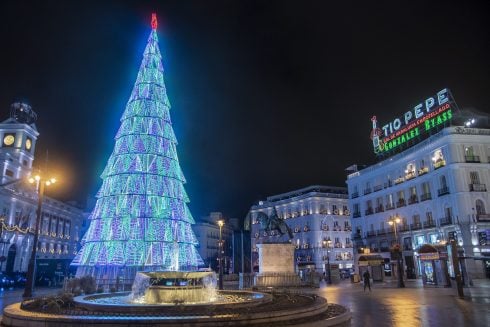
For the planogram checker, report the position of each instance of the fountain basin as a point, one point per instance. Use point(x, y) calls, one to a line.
point(115, 303)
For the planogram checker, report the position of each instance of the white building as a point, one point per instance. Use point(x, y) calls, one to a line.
point(207, 234)
point(320, 221)
point(60, 224)
point(436, 187)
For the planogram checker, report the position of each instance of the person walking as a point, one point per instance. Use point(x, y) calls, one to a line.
point(367, 280)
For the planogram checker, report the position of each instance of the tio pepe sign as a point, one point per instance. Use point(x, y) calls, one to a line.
point(426, 116)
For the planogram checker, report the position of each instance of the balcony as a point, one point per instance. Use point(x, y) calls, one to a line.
point(379, 208)
point(410, 175)
point(425, 197)
point(474, 159)
point(390, 183)
point(381, 231)
point(348, 245)
point(445, 221)
point(378, 188)
point(356, 214)
point(415, 226)
point(483, 217)
point(413, 199)
point(439, 164)
point(354, 195)
point(371, 233)
point(390, 206)
point(399, 180)
point(429, 224)
point(478, 188)
point(403, 228)
point(443, 191)
point(369, 211)
point(423, 171)
point(367, 190)
point(401, 203)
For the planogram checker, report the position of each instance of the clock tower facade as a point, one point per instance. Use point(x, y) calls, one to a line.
point(18, 136)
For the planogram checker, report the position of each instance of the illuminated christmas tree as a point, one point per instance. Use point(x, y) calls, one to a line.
point(141, 220)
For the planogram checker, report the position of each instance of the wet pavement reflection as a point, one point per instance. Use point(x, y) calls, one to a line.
point(387, 305)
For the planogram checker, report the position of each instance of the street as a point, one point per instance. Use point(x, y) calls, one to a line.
point(385, 305)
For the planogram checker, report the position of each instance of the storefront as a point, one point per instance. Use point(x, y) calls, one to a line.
point(374, 263)
point(434, 265)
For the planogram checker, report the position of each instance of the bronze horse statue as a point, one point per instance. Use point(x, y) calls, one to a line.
point(273, 222)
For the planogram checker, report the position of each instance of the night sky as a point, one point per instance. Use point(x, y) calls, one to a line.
point(267, 96)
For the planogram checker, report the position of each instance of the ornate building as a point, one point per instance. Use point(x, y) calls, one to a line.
point(436, 190)
point(320, 221)
point(60, 224)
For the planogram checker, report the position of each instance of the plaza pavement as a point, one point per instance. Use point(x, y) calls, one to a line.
point(385, 305)
point(414, 305)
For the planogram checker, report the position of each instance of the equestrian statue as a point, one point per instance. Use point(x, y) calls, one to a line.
point(274, 223)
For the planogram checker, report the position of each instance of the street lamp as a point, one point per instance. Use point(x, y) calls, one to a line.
point(393, 221)
point(221, 223)
point(40, 184)
point(326, 244)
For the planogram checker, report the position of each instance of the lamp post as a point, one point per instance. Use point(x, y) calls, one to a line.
point(393, 221)
point(326, 244)
point(221, 223)
point(40, 184)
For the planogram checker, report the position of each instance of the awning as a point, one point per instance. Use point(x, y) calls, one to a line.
point(371, 260)
point(432, 252)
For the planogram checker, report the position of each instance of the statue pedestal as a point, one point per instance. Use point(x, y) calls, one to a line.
point(276, 265)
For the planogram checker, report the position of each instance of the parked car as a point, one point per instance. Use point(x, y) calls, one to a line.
point(6, 281)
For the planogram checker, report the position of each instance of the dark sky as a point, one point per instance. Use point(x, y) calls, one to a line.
point(267, 96)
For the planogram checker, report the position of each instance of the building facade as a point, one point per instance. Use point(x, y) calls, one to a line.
point(320, 221)
point(60, 222)
point(434, 191)
point(207, 233)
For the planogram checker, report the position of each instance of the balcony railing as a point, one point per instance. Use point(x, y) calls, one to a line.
point(439, 164)
point(478, 188)
point(415, 226)
point(472, 158)
point(390, 206)
point(389, 183)
point(483, 217)
point(429, 224)
point(410, 175)
point(403, 228)
point(379, 209)
point(445, 221)
point(425, 197)
point(381, 231)
point(371, 233)
point(423, 170)
point(356, 214)
point(413, 199)
point(369, 211)
point(401, 203)
point(367, 190)
point(443, 191)
point(378, 188)
point(399, 180)
point(354, 195)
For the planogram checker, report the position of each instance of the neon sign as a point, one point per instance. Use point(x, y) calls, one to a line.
point(428, 116)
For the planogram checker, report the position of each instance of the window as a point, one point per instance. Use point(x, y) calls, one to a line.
point(9, 173)
point(442, 181)
point(474, 177)
point(480, 207)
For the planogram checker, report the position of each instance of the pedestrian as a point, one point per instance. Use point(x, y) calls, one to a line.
point(367, 280)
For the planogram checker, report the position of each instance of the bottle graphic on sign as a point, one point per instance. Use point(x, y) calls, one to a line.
point(375, 133)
